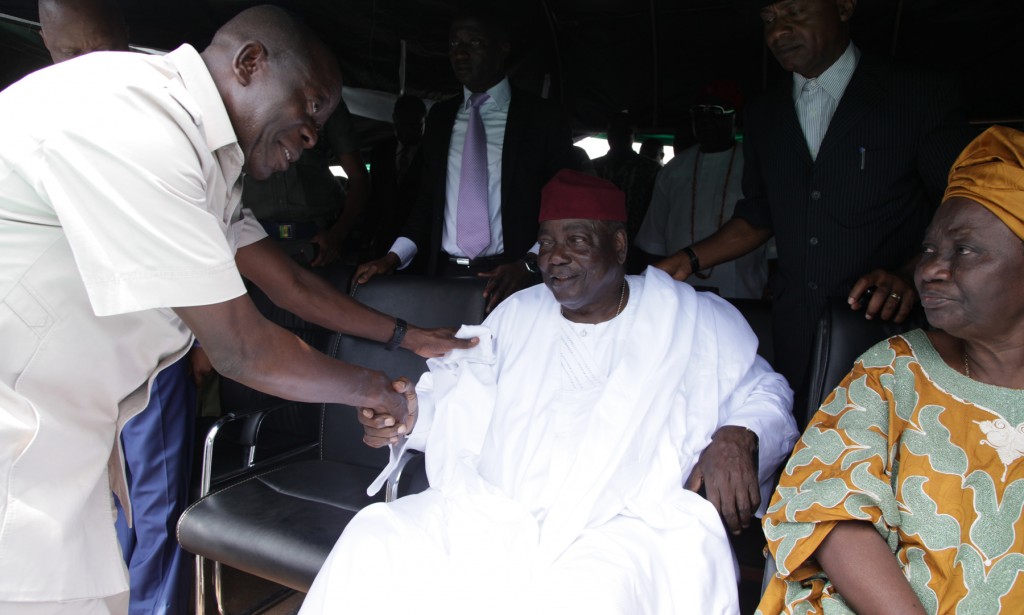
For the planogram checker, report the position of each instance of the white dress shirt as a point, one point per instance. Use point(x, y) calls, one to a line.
point(494, 113)
point(815, 108)
point(674, 220)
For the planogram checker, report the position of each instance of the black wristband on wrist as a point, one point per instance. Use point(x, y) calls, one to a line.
point(396, 338)
point(694, 261)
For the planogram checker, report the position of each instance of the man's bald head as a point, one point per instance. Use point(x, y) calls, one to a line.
point(279, 83)
point(279, 31)
point(71, 28)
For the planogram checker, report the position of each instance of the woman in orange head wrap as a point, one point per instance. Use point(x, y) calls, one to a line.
point(906, 492)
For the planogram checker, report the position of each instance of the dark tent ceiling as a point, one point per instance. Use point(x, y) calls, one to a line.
point(599, 56)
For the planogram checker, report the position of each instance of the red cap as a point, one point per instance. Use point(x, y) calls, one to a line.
point(571, 195)
point(721, 92)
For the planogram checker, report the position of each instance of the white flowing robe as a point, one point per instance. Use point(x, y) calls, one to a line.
point(556, 465)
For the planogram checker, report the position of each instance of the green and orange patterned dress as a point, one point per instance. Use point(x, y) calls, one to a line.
point(927, 455)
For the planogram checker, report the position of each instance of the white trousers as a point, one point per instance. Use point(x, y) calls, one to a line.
point(426, 554)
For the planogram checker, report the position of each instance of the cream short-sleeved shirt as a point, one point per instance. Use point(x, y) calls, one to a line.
point(119, 199)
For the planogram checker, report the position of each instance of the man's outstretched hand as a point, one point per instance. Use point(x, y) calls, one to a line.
point(505, 280)
point(429, 343)
point(380, 427)
point(892, 296)
point(382, 266)
point(676, 265)
point(328, 249)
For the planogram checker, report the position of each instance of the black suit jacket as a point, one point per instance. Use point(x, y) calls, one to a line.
point(538, 143)
point(391, 196)
point(866, 200)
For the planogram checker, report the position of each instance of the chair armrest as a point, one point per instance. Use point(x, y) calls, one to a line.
point(249, 437)
point(394, 479)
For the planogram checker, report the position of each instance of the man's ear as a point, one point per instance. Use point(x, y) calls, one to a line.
point(249, 59)
point(621, 245)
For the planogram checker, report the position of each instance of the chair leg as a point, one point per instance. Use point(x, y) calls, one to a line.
point(769, 571)
point(217, 591)
point(200, 586)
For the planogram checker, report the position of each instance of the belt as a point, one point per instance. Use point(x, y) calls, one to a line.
point(290, 230)
point(480, 261)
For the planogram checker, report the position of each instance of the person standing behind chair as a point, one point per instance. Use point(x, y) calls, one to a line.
point(844, 165)
point(305, 208)
point(71, 28)
point(632, 173)
point(486, 156)
point(654, 149)
point(395, 168)
point(158, 441)
point(697, 192)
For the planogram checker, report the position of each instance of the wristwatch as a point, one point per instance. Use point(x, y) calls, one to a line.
point(399, 334)
point(694, 261)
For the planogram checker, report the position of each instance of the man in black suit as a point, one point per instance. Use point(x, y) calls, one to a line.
point(527, 141)
point(845, 164)
point(395, 167)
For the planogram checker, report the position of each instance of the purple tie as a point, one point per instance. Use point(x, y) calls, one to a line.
point(473, 227)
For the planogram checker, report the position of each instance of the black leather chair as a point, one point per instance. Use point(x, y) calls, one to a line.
point(257, 427)
point(748, 546)
point(280, 522)
point(758, 313)
point(842, 336)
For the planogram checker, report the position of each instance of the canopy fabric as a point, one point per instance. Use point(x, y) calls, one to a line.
point(597, 56)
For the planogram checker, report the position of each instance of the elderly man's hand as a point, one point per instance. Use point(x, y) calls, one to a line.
point(677, 266)
point(504, 280)
point(380, 428)
point(726, 467)
point(892, 296)
point(383, 265)
point(430, 343)
point(328, 249)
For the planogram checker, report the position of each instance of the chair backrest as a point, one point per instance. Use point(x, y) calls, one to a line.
point(842, 336)
point(238, 397)
point(758, 313)
point(425, 301)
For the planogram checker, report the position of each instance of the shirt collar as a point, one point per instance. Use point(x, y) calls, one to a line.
point(835, 78)
point(215, 123)
point(500, 93)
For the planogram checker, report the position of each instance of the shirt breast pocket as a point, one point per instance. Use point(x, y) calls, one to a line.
point(25, 321)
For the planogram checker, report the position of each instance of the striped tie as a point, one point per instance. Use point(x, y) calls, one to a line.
point(473, 227)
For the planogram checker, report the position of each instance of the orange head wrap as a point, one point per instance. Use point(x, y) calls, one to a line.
point(990, 171)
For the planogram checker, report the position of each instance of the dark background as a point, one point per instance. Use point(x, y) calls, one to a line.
point(598, 56)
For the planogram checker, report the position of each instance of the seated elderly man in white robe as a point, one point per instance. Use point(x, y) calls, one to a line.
point(558, 448)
